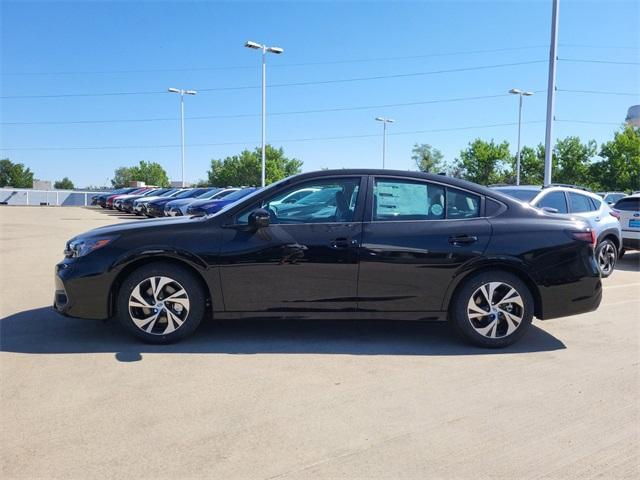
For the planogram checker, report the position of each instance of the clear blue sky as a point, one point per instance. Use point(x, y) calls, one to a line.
point(53, 48)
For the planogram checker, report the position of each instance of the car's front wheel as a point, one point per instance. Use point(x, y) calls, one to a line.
point(607, 255)
point(161, 303)
point(492, 309)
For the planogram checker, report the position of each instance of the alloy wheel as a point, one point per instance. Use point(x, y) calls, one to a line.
point(607, 258)
point(159, 305)
point(495, 310)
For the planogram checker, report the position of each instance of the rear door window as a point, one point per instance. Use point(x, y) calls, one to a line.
point(395, 199)
point(579, 203)
point(553, 200)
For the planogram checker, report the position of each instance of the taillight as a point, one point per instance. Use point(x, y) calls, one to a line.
point(589, 237)
point(615, 213)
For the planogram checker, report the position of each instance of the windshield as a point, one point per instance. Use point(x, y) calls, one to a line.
point(186, 194)
point(526, 195)
point(209, 193)
point(238, 194)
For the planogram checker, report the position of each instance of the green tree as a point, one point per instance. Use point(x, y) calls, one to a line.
point(483, 162)
point(427, 158)
point(245, 168)
point(15, 174)
point(151, 173)
point(571, 161)
point(531, 166)
point(619, 168)
point(64, 184)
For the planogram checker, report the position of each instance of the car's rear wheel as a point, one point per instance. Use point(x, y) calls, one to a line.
point(606, 255)
point(492, 309)
point(161, 303)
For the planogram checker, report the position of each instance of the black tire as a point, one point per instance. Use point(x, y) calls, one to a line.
point(606, 256)
point(459, 315)
point(181, 277)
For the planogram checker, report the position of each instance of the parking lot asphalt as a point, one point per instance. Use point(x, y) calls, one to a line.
point(289, 400)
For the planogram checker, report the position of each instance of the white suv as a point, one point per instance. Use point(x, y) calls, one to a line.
point(568, 200)
point(629, 210)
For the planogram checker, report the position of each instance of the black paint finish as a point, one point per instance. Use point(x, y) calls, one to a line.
point(399, 269)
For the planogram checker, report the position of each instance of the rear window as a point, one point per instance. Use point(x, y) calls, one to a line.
point(631, 204)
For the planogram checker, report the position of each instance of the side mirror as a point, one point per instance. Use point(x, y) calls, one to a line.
point(549, 210)
point(259, 218)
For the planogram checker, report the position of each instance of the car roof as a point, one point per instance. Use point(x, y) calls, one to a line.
point(456, 182)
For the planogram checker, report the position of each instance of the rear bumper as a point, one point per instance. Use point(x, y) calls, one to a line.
point(570, 299)
point(631, 239)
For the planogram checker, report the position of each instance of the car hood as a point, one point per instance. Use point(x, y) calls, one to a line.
point(183, 201)
point(123, 228)
point(149, 199)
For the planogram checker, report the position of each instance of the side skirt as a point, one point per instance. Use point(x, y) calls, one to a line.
point(412, 316)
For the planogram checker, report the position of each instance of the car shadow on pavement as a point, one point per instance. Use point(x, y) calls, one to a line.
point(629, 263)
point(43, 331)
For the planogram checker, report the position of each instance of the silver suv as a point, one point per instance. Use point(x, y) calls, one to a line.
point(565, 199)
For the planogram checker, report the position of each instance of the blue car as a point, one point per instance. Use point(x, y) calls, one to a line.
point(207, 207)
point(179, 207)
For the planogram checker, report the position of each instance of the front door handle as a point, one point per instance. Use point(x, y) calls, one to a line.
point(343, 242)
point(462, 240)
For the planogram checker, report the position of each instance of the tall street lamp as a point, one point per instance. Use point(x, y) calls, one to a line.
point(182, 94)
point(520, 93)
point(384, 121)
point(277, 51)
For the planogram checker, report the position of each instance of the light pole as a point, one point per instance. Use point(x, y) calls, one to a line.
point(384, 121)
point(277, 51)
point(520, 93)
point(182, 94)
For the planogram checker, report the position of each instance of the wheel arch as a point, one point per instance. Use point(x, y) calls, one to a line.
point(610, 234)
point(508, 267)
point(161, 258)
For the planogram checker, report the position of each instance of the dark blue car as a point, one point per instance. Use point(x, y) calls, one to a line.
point(155, 208)
point(207, 207)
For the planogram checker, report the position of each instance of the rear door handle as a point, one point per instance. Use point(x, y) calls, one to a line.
point(462, 239)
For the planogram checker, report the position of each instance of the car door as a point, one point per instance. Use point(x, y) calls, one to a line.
point(305, 260)
point(416, 236)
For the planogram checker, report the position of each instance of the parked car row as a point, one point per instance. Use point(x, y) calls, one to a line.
point(172, 202)
point(613, 216)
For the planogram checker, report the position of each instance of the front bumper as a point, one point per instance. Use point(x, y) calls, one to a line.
point(81, 294)
point(155, 211)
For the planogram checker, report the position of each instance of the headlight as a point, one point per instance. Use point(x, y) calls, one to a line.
point(80, 247)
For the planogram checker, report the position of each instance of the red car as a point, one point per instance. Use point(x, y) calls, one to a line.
point(111, 198)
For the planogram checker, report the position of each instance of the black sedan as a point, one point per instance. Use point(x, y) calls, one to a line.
point(383, 244)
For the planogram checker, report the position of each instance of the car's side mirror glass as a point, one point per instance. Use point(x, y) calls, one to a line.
point(550, 209)
point(259, 218)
